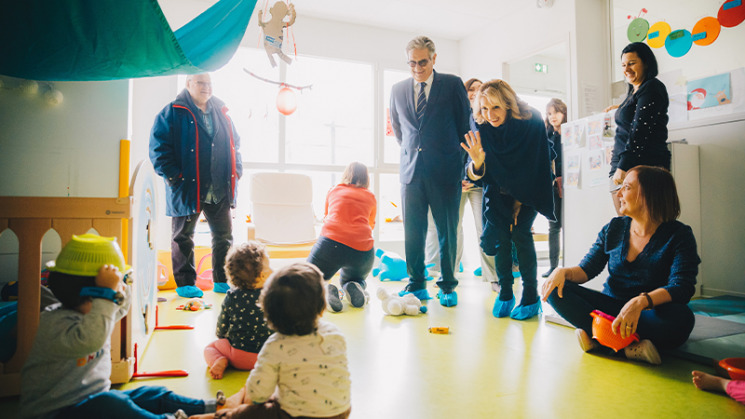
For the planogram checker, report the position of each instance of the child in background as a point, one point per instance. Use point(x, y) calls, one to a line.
point(241, 327)
point(302, 368)
point(67, 371)
point(732, 388)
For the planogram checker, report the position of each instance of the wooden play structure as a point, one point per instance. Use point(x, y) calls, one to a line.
point(130, 218)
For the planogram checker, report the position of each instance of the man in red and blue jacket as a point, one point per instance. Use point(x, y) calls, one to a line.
point(194, 147)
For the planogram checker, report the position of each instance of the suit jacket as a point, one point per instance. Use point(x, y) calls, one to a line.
point(432, 148)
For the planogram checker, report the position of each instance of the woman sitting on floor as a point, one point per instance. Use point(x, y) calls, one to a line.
point(652, 265)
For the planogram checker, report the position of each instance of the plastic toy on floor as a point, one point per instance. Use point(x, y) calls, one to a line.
point(396, 306)
point(392, 267)
point(194, 304)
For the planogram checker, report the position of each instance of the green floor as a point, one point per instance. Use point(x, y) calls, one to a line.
point(485, 368)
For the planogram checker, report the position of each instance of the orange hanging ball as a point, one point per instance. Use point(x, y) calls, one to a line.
point(286, 101)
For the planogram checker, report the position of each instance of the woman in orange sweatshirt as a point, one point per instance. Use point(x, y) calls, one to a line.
point(346, 242)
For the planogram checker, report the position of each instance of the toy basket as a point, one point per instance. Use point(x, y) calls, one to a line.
point(85, 254)
point(603, 332)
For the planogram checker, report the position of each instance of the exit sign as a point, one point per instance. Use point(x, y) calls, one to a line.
point(541, 68)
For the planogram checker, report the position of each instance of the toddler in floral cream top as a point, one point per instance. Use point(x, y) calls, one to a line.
point(301, 370)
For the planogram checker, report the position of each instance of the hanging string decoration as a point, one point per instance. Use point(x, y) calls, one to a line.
point(678, 42)
point(274, 29)
point(286, 99)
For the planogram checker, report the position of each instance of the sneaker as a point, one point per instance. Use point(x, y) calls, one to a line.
point(585, 341)
point(448, 299)
point(643, 351)
point(221, 287)
point(547, 273)
point(189, 291)
point(333, 299)
point(355, 294)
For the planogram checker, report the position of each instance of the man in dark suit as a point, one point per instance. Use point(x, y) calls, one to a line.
point(430, 116)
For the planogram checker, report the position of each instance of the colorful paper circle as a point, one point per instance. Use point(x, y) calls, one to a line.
point(678, 43)
point(637, 30)
point(732, 13)
point(706, 31)
point(657, 34)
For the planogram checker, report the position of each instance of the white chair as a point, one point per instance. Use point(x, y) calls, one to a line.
point(282, 213)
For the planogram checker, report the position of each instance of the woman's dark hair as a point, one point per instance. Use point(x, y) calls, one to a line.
point(644, 52)
point(293, 298)
point(244, 264)
point(559, 106)
point(659, 192)
point(470, 83)
point(67, 288)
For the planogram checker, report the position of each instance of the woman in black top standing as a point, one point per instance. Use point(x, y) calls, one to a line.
point(641, 119)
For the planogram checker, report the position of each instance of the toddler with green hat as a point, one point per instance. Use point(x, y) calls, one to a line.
point(67, 371)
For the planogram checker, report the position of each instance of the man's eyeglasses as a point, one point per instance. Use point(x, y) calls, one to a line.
point(420, 63)
point(204, 84)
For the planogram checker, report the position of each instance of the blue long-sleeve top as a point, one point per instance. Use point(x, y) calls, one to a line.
point(669, 261)
point(641, 128)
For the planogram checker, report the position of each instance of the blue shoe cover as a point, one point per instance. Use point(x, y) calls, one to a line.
point(420, 294)
point(221, 287)
point(477, 272)
point(460, 267)
point(449, 299)
point(189, 291)
point(516, 274)
point(503, 308)
point(522, 312)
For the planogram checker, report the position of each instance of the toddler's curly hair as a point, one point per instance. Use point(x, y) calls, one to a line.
point(244, 264)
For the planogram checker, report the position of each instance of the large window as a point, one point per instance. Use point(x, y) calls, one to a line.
point(333, 124)
point(336, 122)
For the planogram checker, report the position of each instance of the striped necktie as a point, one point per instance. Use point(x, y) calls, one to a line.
point(421, 102)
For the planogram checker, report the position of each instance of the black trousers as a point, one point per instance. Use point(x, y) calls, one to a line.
point(182, 242)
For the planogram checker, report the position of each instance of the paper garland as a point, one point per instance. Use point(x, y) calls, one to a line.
point(679, 42)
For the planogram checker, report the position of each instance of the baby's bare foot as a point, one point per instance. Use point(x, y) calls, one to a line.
point(704, 381)
point(218, 368)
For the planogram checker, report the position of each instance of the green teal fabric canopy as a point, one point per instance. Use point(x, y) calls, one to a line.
point(78, 40)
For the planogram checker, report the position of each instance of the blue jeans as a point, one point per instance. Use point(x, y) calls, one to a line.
point(667, 326)
point(500, 233)
point(144, 402)
point(330, 256)
point(182, 245)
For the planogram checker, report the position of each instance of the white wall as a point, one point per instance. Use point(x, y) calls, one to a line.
point(513, 37)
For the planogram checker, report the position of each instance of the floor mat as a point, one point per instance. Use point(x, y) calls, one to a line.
point(719, 332)
point(718, 306)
